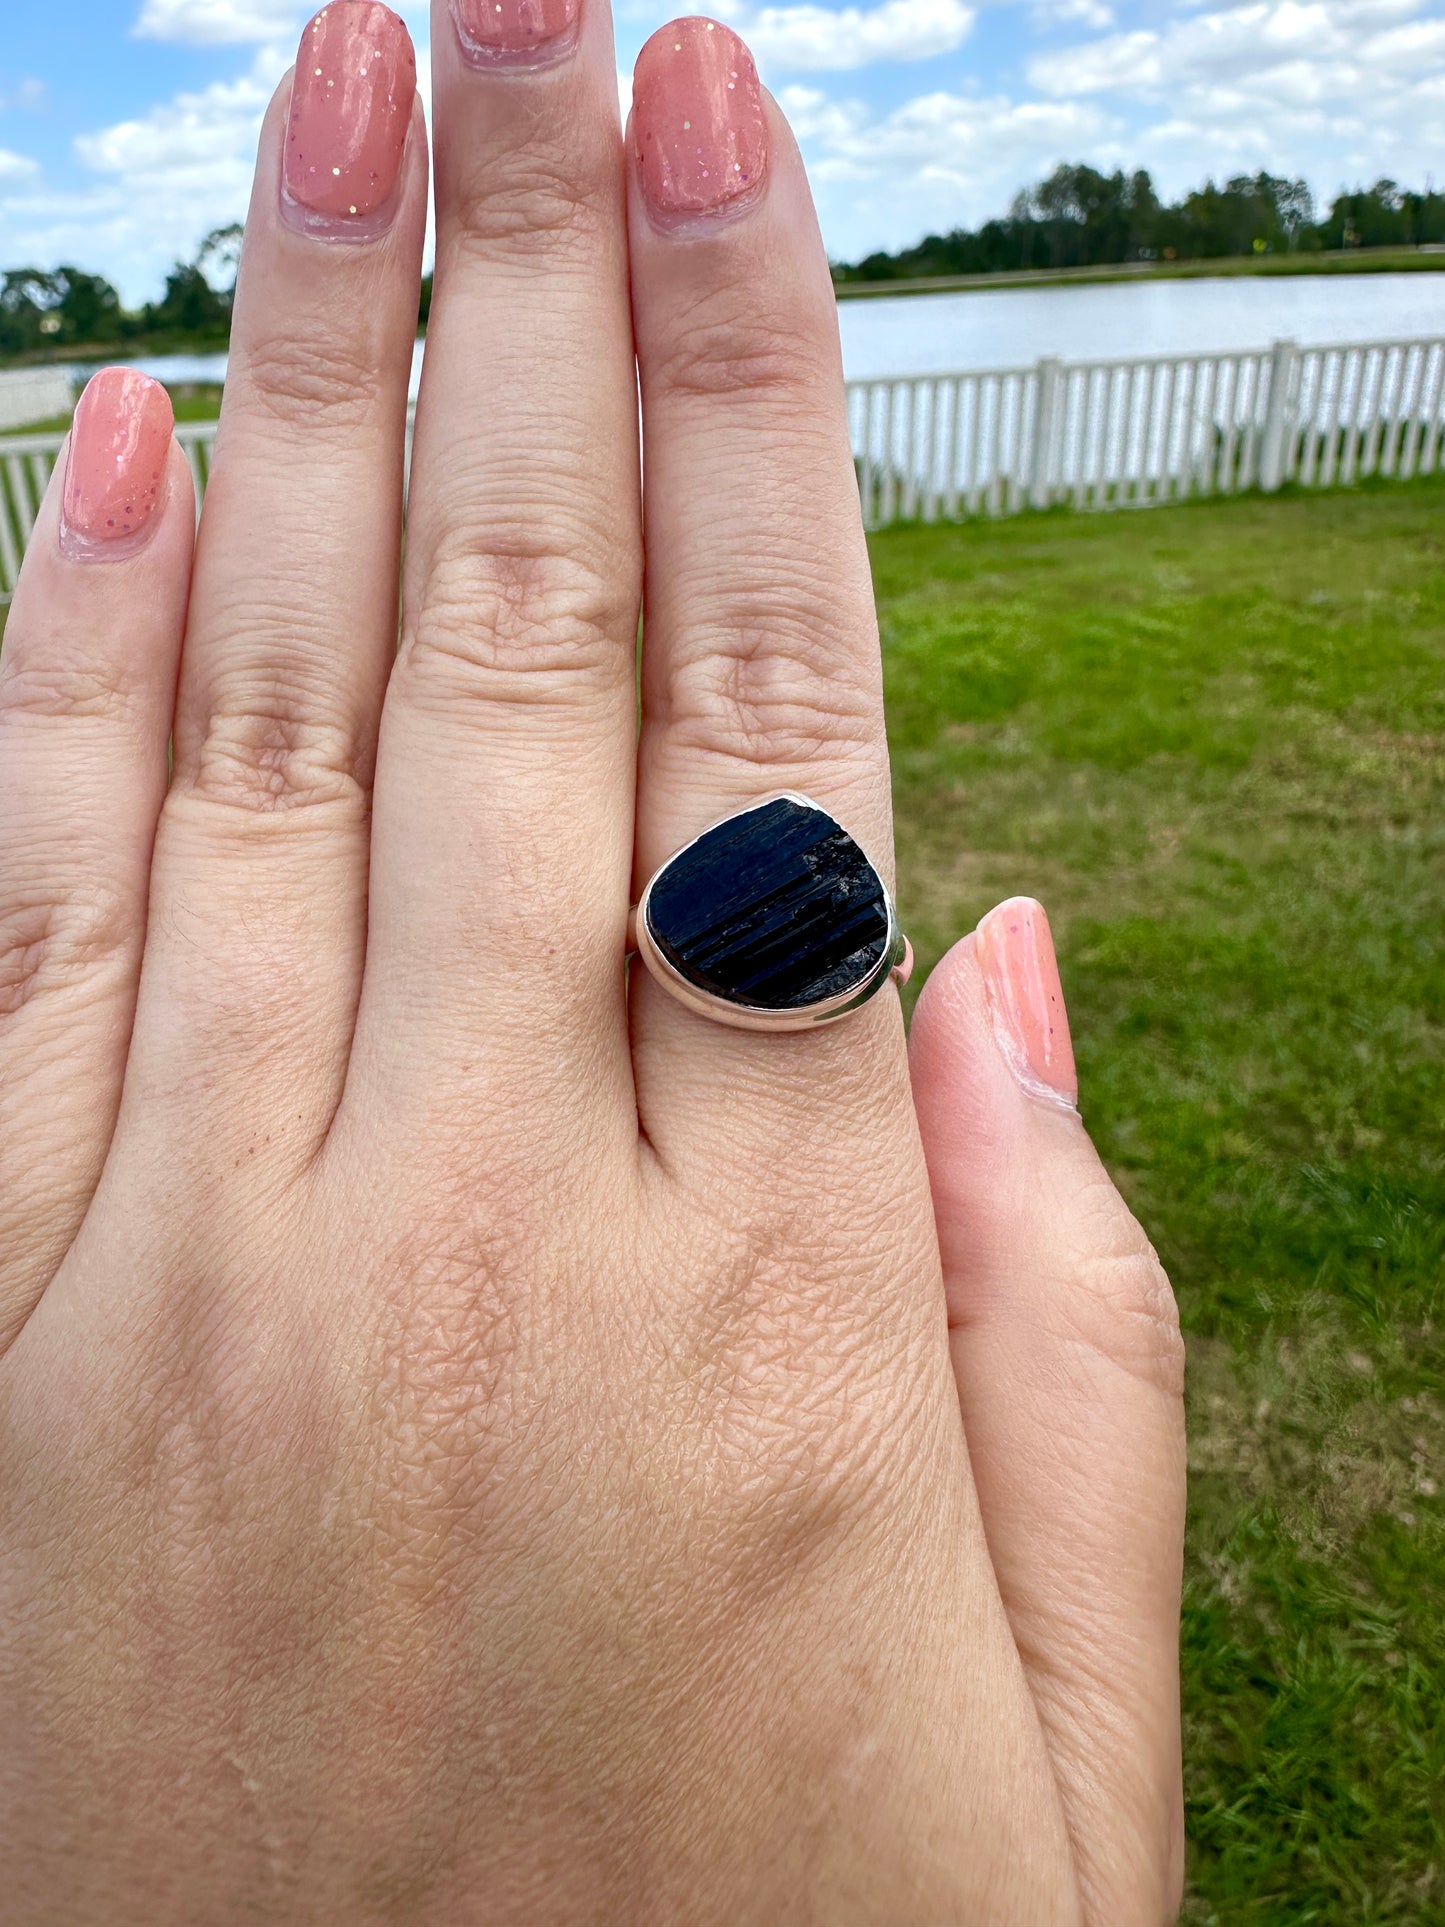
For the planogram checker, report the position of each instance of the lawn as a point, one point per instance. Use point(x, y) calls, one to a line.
point(1212, 740)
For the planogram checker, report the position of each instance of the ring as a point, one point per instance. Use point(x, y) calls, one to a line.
point(773, 919)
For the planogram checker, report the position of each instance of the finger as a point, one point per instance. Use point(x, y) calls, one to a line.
point(1067, 1353)
point(760, 660)
point(87, 687)
point(262, 857)
point(503, 806)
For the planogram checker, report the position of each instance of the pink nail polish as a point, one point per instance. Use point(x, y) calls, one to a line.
point(515, 33)
point(115, 474)
point(698, 129)
point(1021, 973)
point(351, 103)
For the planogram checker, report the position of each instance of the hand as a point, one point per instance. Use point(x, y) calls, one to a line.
point(481, 1442)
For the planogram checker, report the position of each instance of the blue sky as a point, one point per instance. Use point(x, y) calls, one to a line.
point(127, 126)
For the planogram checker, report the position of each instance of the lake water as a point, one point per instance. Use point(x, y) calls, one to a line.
point(1011, 327)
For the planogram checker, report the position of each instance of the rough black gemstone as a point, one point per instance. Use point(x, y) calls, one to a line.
point(777, 908)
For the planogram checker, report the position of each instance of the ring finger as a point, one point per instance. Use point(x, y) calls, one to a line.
point(760, 660)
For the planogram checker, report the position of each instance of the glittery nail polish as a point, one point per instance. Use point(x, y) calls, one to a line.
point(699, 134)
point(1026, 999)
point(115, 473)
point(351, 107)
point(515, 33)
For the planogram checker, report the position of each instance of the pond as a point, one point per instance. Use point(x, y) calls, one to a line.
point(1012, 327)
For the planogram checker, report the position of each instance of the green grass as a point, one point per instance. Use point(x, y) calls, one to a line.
point(1212, 740)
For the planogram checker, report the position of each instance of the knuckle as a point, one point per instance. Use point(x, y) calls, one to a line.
point(268, 761)
point(1124, 1308)
point(771, 687)
point(505, 621)
point(280, 740)
point(724, 348)
point(49, 943)
point(308, 379)
point(45, 691)
point(533, 207)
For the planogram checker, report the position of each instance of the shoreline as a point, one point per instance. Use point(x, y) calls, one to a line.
point(1426, 260)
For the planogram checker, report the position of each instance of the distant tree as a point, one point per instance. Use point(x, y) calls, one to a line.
point(1385, 215)
point(190, 304)
point(1087, 216)
point(1080, 216)
point(28, 299)
point(219, 258)
point(88, 307)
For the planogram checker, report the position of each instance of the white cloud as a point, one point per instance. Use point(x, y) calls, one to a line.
point(16, 167)
point(211, 23)
point(1124, 60)
point(1298, 49)
point(158, 183)
point(1338, 91)
point(950, 159)
point(191, 138)
point(804, 38)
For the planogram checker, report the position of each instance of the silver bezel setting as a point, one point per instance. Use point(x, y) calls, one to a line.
point(895, 962)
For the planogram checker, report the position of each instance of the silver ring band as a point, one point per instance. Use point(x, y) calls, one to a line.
point(772, 919)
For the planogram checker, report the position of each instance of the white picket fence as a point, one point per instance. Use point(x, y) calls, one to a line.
point(1095, 434)
point(1136, 432)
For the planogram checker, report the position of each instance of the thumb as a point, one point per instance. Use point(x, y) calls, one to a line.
point(1069, 1365)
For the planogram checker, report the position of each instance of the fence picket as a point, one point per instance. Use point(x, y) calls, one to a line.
point(974, 497)
point(1411, 438)
point(11, 548)
point(1164, 486)
point(1433, 419)
point(1247, 416)
point(955, 427)
point(1354, 421)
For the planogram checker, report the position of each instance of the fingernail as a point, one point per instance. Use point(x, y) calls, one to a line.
point(351, 103)
point(515, 33)
point(115, 474)
point(1026, 999)
point(698, 129)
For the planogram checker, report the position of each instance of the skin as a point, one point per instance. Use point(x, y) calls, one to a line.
point(479, 1443)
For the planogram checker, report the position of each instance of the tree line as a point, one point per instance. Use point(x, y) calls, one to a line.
point(1081, 218)
point(68, 307)
point(45, 311)
point(1078, 217)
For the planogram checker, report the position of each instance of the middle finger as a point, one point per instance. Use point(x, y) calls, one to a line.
point(502, 836)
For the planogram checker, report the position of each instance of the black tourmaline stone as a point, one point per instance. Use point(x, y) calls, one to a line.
point(777, 908)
